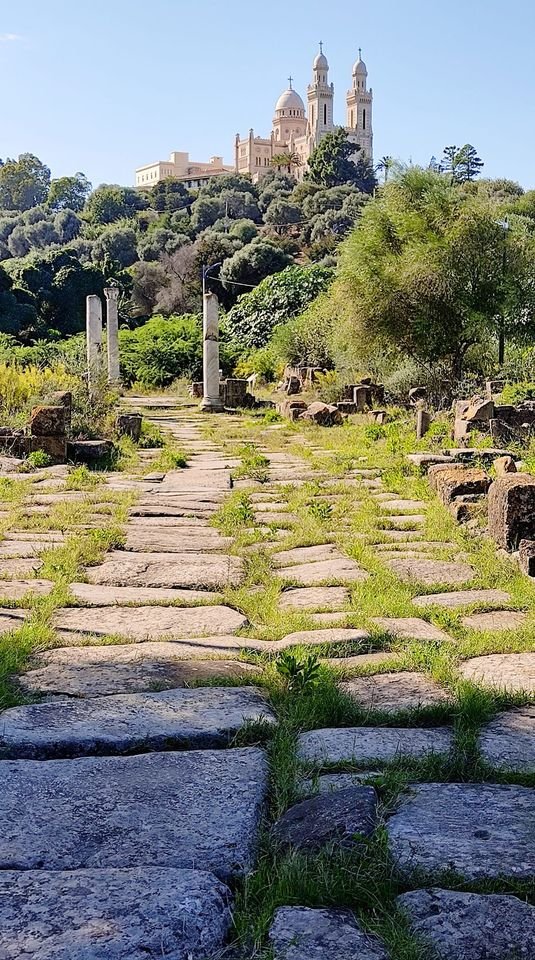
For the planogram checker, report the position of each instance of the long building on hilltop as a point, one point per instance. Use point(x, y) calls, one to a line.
point(296, 131)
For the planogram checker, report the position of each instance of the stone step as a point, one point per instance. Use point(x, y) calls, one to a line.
point(200, 718)
point(199, 809)
point(16, 589)
point(328, 635)
point(479, 830)
point(127, 914)
point(369, 744)
point(150, 623)
point(496, 621)
point(196, 570)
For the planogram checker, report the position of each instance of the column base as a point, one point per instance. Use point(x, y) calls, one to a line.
point(211, 405)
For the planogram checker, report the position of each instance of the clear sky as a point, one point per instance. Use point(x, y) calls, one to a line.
point(108, 85)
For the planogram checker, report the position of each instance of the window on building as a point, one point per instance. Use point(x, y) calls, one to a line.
point(325, 114)
point(312, 115)
point(364, 119)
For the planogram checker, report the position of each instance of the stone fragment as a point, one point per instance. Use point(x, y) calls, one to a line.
point(526, 557)
point(88, 451)
point(324, 414)
point(272, 517)
point(462, 598)
point(200, 718)
point(512, 509)
point(368, 744)
point(302, 933)
point(496, 621)
point(314, 598)
point(456, 481)
point(308, 638)
point(471, 926)
point(514, 672)
point(426, 460)
point(320, 571)
point(197, 570)
point(479, 830)
point(98, 595)
point(479, 410)
point(412, 628)
point(432, 571)
point(504, 465)
point(150, 623)
point(129, 425)
point(47, 421)
point(299, 555)
point(340, 818)
point(199, 809)
point(392, 692)
point(126, 914)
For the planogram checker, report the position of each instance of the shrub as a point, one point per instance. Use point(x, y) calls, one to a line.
point(161, 350)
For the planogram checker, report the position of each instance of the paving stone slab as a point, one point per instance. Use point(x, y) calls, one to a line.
point(432, 571)
point(287, 519)
point(174, 540)
point(325, 619)
point(303, 933)
point(199, 809)
point(11, 620)
point(508, 741)
point(197, 570)
point(98, 595)
point(25, 548)
point(172, 521)
point(471, 926)
point(393, 692)
point(514, 672)
point(332, 782)
point(203, 717)
point(314, 598)
point(396, 505)
point(409, 522)
point(309, 574)
point(361, 744)
point(150, 623)
point(423, 545)
point(495, 621)
point(127, 914)
point(15, 569)
point(342, 818)
point(299, 555)
point(462, 598)
point(193, 479)
point(412, 628)
point(480, 830)
point(328, 635)
point(16, 589)
point(348, 664)
point(398, 536)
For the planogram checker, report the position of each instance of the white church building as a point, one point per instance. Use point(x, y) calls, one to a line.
point(297, 131)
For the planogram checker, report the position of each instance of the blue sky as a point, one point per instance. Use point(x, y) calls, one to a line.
point(106, 86)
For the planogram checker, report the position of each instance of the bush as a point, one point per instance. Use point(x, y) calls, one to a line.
point(21, 388)
point(264, 362)
point(161, 350)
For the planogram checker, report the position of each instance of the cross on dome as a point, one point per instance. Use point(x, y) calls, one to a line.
point(290, 81)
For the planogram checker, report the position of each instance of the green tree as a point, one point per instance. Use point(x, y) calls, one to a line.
point(116, 248)
point(109, 203)
point(462, 163)
point(337, 160)
point(24, 183)
point(69, 193)
point(250, 265)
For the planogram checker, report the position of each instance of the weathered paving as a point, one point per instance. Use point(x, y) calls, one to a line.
point(301, 933)
point(365, 744)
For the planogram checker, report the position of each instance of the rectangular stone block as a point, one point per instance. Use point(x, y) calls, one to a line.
point(47, 421)
point(512, 510)
point(526, 557)
point(55, 447)
point(450, 482)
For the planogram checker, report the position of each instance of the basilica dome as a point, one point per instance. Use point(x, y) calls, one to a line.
point(290, 100)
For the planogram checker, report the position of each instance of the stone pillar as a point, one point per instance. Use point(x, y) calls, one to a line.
point(211, 401)
point(112, 330)
point(94, 339)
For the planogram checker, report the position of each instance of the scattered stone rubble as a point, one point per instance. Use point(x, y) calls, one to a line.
point(48, 430)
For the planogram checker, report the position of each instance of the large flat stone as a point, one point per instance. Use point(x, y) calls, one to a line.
point(508, 741)
point(495, 621)
point(471, 926)
point(462, 598)
point(299, 555)
point(398, 505)
point(321, 571)
point(314, 598)
point(514, 672)
point(11, 620)
point(402, 522)
point(479, 830)
point(15, 569)
point(302, 933)
point(202, 717)
point(197, 570)
point(328, 635)
point(150, 623)
point(362, 744)
point(174, 540)
point(340, 818)
point(392, 692)
point(333, 782)
point(199, 523)
point(432, 571)
point(98, 595)
point(198, 809)
point(16, 589)
point(412, 628)
point(129, 914)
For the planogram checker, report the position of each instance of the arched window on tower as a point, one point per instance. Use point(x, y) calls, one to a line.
point(325, 114)
point(364, 119)
point(352, 118)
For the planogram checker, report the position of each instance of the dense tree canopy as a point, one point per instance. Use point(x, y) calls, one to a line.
point(336, 160)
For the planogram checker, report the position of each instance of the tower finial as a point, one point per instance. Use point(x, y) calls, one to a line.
point(321, 46)
point(360, 53)
point(290, 81)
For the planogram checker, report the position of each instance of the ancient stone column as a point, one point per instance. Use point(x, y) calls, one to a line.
point(211, 401)
point(112, 331)
point(94, 340)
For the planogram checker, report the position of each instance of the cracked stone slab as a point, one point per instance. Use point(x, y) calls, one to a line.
point(200, 718)
point(340, 818)
point(421, 545)
point(462, 598)
point(327, 635)
point(118, 914)
point(399, 536)
point(470, 925)
point(11, 620)
point(514, 672)
point(432, 571)
point(15, 569)
point(399, 522)
point(299, 555)
point(480, 830)
point(395, 505)
point(98, 595)
point(392, 692)
point(303, 933)
point(174, 540)
point(367, 744)
point(187, 523)
point(25, 548)
point(150, 623)
point(199, 809)
point(17, 589)
point(347, 664)
point(286, 519)
point(495, 621)
point(197, 570)
point(319, 571)
point(412, 628)
point(314, 598)
point(508, 741)
point(332, 782)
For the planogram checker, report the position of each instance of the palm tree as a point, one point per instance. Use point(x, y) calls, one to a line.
point(288, 159)
point(385, 164)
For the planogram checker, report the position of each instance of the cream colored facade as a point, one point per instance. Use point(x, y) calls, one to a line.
point(192, 174)
point(297, 132)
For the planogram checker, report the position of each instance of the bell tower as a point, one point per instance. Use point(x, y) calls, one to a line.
point(320, 97)
point(359, 106)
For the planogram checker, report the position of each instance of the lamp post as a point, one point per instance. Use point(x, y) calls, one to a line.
point(211, 401)
point(112, 329)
